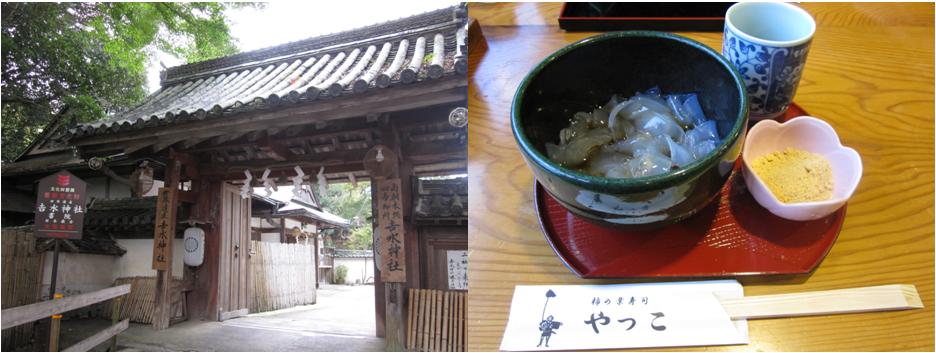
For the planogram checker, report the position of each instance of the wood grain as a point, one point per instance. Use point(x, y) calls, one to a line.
point(27, 313)
point(88, 343)
point(869, 74)
point(827, 302)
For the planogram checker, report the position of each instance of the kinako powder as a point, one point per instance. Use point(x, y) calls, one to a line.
point(794, 176)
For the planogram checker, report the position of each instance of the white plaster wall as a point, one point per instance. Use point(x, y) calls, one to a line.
point(138, 261)
point(360, 270)
point(97, 188)
point(292, 223)
point(78, 273)
point(270, 237)
point(155, 190)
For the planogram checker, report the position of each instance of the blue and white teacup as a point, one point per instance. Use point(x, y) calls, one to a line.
point(768, 42)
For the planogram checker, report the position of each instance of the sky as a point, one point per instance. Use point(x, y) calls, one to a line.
point(287, 21)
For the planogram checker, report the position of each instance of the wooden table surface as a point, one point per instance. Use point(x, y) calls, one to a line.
point(869, 74)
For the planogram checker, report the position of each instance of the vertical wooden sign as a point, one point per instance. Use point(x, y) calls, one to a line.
point(60, 202)
point(390, 224)
point(164, 228)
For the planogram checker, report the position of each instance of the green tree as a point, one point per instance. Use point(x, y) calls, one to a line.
point(354, 204)
point(88, 60)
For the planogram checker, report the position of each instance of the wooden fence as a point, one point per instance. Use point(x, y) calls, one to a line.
point(139, 305)
point(281, 275)
point(436, 321)
point(21, 276)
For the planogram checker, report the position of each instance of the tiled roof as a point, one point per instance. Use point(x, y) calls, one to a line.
point(353, 253)
point(407, 51)
point(298, 209)
point(128, 217)
point(437, 199)
point(88, 244)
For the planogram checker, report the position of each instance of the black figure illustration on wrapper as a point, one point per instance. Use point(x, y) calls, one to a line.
point(547, 325)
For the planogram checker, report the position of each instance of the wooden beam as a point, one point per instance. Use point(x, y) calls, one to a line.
point(318, 159)
point(380, 301)
point(333, 171)
point(442, 91)
point(188, 196)
point(395, 324)
point(28, 313)
point(88, 343)
point(282, 230)
point(455, 167)
point(202, 301)
point(167, 142)
point(274, 149)
point(255, 135)
point(250, 152)
point(226, 156)
point(137, 146)
point(188, 144)
point(298, 138)
point(189, 164)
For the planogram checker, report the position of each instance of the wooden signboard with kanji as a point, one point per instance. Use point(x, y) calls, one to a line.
point(60, 206)
point(390, 225)
point(164, 228)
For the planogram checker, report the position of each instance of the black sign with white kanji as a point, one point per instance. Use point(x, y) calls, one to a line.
point(60, 206)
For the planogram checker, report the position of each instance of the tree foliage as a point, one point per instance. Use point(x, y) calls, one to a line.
point(92, 57)
point(354, 204)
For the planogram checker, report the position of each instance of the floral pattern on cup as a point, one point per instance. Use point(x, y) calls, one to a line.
point(770, 73)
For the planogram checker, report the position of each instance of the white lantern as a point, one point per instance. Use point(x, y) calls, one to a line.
point(194, 244)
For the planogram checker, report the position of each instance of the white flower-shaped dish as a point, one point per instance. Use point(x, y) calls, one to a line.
point(808, 134)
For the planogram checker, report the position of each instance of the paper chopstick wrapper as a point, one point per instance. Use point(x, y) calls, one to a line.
point(681, 314)
point(571, 317)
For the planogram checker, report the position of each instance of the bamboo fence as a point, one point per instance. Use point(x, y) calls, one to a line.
point(281, 276)
point(21, 276)
point(436, 321)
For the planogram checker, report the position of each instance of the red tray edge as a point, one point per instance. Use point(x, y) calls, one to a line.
point(538, 204)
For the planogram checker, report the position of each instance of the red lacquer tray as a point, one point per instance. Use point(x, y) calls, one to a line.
point(733, 236)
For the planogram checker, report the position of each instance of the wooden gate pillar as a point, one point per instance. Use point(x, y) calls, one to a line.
point(163, 302)
point(388, 172)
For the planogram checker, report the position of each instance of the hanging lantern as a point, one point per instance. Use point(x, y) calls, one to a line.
point(380, 162)
point(380, 156)
point(194, 246)
point(141, 180)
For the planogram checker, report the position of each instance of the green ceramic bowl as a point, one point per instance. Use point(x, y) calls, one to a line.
point(584, 75)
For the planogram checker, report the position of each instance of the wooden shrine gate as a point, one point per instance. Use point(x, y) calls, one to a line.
point(234, 277)
point(327, 105)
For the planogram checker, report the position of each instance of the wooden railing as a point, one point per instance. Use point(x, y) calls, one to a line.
point(28, 313)
point(436, 321)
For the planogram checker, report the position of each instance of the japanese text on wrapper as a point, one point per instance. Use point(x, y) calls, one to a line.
point(628, 317)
